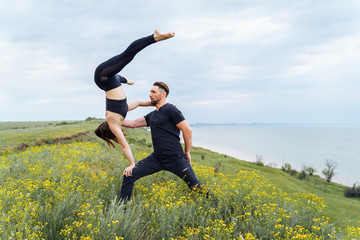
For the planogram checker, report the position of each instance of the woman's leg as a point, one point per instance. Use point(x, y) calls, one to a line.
point(108, 69)
point(115, 64)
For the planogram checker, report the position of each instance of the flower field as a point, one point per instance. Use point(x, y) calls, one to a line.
point(69, 191)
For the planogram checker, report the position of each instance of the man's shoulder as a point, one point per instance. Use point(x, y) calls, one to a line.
point(169, 106)
point(174, 113)
point(150, 114)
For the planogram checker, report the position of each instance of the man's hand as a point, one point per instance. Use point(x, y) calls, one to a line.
point(128, 171)
point(188, 157)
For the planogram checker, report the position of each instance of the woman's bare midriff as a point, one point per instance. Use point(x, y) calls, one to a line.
point(116, 93)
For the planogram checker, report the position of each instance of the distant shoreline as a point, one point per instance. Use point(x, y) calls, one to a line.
point(280, 144)
point(225, 151)
point(197, 124)
point(272, 124)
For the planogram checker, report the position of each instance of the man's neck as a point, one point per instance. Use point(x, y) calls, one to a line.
point(160, 104)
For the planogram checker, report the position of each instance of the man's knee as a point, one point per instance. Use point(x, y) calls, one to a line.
point(185, 169)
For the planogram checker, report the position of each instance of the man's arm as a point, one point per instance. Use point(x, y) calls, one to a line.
point(140, 122)
point(138, 103)
point(187, 135)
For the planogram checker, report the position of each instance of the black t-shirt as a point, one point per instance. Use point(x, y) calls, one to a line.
point(164, 132)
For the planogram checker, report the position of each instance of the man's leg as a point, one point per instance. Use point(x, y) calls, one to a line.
point(183, 169)
point(145, 167)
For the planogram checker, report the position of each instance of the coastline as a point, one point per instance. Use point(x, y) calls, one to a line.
point(245, 157)
point(297, 145)
point(226, 151)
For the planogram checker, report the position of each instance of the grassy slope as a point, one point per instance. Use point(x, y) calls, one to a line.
point(13, 134)
point(341, 210)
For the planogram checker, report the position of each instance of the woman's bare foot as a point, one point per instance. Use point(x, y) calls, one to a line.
point(158, 36)
point(128, 81)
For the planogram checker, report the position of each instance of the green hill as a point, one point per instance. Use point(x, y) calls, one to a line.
point(60, 181)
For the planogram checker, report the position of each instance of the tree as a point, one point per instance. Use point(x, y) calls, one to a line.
point(329, 169)
point(310, 170)
point(286, 168)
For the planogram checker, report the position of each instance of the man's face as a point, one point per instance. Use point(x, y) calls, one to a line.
point(155, 95)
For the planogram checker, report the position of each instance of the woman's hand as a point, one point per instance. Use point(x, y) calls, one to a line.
point(128, 171)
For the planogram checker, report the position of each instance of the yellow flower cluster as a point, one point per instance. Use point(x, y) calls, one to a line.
point(48, 179)
point(69, 192)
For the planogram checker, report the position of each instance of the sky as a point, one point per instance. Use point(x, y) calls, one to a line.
point(231, 61)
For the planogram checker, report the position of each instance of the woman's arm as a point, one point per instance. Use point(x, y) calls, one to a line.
point(115, 127)
point(141, 103)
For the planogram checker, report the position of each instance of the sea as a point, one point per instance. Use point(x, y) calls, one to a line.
point(298, 145)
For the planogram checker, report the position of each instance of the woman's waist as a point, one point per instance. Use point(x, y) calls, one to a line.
point(116, 93)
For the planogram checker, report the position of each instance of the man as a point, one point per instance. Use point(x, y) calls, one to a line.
point(165, 122)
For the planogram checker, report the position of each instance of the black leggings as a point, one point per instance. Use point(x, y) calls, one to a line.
point(150, 165)
point(106, 73)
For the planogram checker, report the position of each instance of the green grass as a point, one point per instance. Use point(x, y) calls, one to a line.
point(340, 210)
point(13, 134)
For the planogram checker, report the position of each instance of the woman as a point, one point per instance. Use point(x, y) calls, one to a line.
point(107, 79)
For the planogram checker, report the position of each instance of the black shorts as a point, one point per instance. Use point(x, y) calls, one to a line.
point(117, 106)
point(111, 82)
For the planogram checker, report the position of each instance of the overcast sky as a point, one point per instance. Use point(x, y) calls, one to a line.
point(230, 60)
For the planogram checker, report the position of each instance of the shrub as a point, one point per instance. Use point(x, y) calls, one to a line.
point(62, 123)
point(90, 119)
point(259, 161)
point(302, 175)
point(23, 146)
point(293, 172)
point(354, 191)
point(286, 167)
point(217, 166)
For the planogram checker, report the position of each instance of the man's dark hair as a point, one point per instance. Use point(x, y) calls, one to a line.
point(162, 86)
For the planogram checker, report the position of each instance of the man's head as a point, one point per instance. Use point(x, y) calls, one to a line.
point(158, 92)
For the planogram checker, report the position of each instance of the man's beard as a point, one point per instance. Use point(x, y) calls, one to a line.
point(155, 101)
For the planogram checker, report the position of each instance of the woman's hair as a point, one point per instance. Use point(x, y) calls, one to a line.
point(103, 131)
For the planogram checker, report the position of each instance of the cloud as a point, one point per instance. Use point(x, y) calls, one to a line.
point(330, 69)
point(232, 61)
